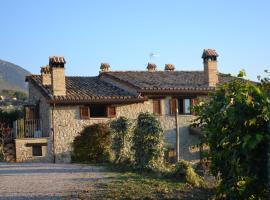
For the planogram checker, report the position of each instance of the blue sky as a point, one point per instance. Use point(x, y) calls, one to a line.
point(123, 33)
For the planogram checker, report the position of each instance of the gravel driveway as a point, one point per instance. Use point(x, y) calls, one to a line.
point(46, 181)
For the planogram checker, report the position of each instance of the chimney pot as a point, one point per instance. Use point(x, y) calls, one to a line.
point(151, 67)
point(104, 67)
point(169, 67)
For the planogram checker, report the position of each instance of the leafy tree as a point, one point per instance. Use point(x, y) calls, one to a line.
point(122, 140)
point(93, 144)
point(148, 142)
point(235, 123)
point(9, 117)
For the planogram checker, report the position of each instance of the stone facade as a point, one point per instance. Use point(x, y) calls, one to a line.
point(24, 150)
point(67, 125)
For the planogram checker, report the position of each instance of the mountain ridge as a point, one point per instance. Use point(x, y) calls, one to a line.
point(12, 76)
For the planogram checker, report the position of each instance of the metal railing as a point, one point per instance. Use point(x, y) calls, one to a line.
point(27, 128)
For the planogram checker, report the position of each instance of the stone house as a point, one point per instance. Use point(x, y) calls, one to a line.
point(61, 106)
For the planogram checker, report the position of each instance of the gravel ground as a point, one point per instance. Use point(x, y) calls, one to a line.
point(46, 181)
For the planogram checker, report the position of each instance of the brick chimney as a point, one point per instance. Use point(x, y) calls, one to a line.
point(209, 57)
point(57, 68)
point(151, 67)
point(45, 75)
point(104, 67)
point(169, 67)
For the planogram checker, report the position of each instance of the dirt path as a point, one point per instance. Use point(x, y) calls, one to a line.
point(46, 181)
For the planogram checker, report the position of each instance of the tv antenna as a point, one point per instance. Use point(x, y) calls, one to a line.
point(152, 55)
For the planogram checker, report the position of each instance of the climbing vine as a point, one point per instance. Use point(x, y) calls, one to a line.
point(148, 142)
point(122, 140)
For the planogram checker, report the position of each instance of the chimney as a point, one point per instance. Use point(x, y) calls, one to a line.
point(57, 68)
point(169, 67)
point(209, 57)
point(151, 67)
point(104, 67)
point(45, 75)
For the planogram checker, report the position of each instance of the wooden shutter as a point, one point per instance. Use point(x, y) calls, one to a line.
point(157, 106)
point(111, 111)
point(173, 106)
point(84, 112)
point(194, 102)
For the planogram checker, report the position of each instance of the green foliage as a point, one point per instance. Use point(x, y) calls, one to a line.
point(122, 140)
point(93, 144)
point(148, 142)
point(12, 93)
point(10, 116)
point(235, 123)
point(20, 95)
point(184, 170)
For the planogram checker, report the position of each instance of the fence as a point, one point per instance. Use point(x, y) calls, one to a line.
point(27, 128)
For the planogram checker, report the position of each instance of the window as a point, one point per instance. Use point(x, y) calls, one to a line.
point(37, 150)
point(111, 111)
point(184, 105)
point(98, 110)
point(157, 106)
point(84, 112)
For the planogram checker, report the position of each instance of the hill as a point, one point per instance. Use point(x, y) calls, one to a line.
point(12, 77)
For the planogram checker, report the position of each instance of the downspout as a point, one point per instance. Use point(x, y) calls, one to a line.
point(177, 132)
point(53, 138)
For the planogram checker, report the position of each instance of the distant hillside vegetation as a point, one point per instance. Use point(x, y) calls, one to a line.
point(12, 77)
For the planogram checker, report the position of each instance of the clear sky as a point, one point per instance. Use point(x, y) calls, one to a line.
point(123, 33)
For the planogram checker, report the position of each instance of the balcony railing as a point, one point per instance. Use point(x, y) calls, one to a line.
point(27, 128)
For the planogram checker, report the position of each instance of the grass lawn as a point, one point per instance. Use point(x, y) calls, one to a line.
point(131, 185)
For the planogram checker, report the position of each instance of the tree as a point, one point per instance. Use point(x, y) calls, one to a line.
point(235, 123)
point(148, 142)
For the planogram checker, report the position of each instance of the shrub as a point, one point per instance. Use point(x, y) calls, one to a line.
point(235, 123)
point(184, 170)
point(148, 142)
point(93, 144)
point(121, 140)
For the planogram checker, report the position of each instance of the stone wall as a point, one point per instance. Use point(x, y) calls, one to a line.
point(24, 151)
point(67, 125)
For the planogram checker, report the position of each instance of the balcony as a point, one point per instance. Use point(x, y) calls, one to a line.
point(27, 128)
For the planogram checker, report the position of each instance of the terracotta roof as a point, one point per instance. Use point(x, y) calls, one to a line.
point(86, 89)
point(162, 80)
point(209, 53)
point(176, 81)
